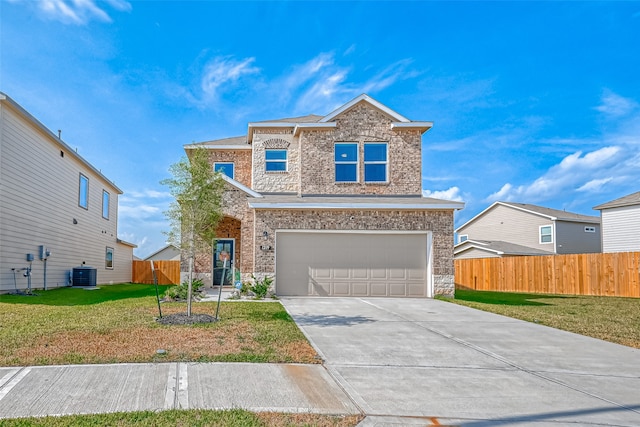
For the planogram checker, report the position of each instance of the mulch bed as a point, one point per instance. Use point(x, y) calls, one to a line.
point(183, 319)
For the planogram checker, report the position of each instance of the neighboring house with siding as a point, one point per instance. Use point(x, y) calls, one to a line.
point(517, 229)
point(621, 224)
point(332, 205)
point(168, 253)
point(55, 206)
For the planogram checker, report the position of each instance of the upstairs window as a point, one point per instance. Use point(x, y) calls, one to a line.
point(346, 161)
point(275, 160)
point(105, 205)
point(463, 238)
point(375, 162)
point(225, 168)
point(83, 192)
point(546, 234)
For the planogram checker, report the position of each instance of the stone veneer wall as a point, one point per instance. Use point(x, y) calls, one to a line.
point(275, 182)
point(235, 205)
point(362, 123)
point(241, 160)
point(439, 222)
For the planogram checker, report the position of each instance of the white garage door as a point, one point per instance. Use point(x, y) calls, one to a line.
point(352, 264)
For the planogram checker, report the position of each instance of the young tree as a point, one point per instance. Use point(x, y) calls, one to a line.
point(197, 209)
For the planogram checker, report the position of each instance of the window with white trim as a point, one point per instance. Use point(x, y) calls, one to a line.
point(546, 234)
point(345, 155)
point(83, 192)
point(589, 229)
point(225, 168)
point(108, 258)
point(105, 204)
point(375, 162)
point(275, 160)
point(463, 238)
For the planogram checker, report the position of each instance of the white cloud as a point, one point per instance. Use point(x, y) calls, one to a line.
point(616, 105)
point(452, 193)
point(224, 70)
point(79, 12)
point(595, 185)
point(574, 172)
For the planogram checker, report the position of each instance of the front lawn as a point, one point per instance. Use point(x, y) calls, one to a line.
point(607, 318)
point(116, 324)
point(192, 418)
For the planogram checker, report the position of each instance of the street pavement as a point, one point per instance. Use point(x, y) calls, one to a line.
point(429, 362)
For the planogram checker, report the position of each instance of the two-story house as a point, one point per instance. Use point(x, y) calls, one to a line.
point(621, 224)
point(332, 205)
point(57, 211)
point(517, 229)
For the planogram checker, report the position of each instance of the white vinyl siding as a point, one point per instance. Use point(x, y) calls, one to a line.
point(508, 225)
point(40, 205)
point(621, 229)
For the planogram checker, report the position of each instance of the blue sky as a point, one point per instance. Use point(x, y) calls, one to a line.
point(532, 102)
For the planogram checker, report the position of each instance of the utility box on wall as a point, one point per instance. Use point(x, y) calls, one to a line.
point(84, 276)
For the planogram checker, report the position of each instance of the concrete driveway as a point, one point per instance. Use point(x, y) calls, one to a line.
point(429, 362)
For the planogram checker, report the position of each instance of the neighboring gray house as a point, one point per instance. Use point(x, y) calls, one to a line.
point(517, 229)
point(168, 253)
point(57, 211)
point(621, 224)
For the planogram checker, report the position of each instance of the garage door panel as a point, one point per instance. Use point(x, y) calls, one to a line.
point(378, 273)
point(351, 264)
point(397, 289)
point(341, 289)
point(360, 289)
point(359, 273)
point(397, 273)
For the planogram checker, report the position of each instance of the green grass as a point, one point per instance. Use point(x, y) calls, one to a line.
point(187, 418)
point(116, 323)
point(80, 296)
point(608, 318)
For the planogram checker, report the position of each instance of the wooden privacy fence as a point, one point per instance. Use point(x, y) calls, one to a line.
point(610, 274)
point(168, 272)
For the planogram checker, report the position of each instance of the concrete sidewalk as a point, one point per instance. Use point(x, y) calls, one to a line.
point(85, 389)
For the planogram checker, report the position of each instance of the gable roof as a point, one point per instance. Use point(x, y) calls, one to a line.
point(240, 186)
point(232, 143)
point(498, 247)
point(55, 139)
point(551, 214)
point(629, 200)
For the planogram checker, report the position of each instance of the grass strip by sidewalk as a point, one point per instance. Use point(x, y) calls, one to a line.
point(607, 318)
point(116, 324)
point(191, 418)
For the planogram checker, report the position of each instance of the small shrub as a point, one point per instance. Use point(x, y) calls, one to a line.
point(261, 287)
point(180, 292)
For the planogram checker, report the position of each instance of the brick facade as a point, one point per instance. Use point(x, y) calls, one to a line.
point(362, 123)
point(241, 160)
point(311, 171)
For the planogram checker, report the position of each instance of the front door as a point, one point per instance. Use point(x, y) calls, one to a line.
point(223, 251)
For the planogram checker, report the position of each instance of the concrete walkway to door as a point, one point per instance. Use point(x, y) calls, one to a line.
point(430, 362)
